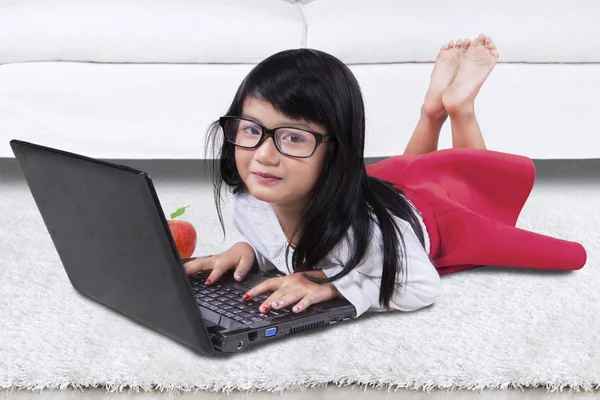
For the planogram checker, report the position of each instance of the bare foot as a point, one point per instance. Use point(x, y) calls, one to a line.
point(476, 65)
point(444, 71)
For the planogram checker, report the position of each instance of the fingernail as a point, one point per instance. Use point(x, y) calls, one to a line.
point(265, 308)
point(239, 276)
point(208, 281)
point(276, 304)
point(297, 308)
point(246, 296)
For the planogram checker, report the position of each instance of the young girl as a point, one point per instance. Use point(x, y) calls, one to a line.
point(291, 150)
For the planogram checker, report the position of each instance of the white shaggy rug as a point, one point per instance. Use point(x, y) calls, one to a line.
point(493, 327)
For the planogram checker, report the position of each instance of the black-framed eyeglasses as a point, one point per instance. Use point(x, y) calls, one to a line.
point(290, 141)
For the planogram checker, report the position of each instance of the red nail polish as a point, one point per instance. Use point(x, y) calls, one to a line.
point(246, 296)
point(208, 281)
point(266, 308)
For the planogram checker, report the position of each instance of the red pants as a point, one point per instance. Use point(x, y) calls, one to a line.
point(470, 200)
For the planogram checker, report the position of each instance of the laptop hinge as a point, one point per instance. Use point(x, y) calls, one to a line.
point(217, 341)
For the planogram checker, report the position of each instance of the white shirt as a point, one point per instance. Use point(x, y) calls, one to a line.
point(258, 225)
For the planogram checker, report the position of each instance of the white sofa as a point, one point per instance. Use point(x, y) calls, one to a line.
point(144, 78)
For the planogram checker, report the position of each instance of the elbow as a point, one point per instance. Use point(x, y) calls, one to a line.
point(431, 292)
point(421, 296)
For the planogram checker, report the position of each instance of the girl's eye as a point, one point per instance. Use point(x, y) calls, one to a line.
point(294, 138)
point(251, 130)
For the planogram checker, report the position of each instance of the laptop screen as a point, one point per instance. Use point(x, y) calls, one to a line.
point(110, 233)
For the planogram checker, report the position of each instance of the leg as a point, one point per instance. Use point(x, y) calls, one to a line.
point(459, 98)
point(426, 135)
point(433, 115)
point(465, 130)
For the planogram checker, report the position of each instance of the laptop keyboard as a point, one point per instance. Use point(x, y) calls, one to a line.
point(227, 301)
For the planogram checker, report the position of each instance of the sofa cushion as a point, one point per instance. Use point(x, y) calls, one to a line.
point(174, 31)
point(414, 30)
point(149, 111)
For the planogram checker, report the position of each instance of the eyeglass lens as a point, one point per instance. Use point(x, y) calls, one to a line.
point(294, 142)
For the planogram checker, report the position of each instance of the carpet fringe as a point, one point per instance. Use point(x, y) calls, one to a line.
point(119, 387)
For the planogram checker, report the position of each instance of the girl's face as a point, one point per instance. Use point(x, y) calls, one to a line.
point(296, 176)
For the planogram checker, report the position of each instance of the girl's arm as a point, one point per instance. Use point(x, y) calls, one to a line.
point(242, 224)
point(421, 285)
point(241, 237)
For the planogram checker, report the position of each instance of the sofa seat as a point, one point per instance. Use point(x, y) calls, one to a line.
point(158, 111)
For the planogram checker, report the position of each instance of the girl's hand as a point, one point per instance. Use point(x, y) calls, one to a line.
point(291, 289)
point(240, 257)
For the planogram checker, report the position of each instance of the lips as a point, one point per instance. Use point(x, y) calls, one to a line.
point(264, 175)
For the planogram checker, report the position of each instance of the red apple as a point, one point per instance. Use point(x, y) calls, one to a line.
point(183, 233)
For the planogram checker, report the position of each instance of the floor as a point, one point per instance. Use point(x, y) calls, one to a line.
point(186, 172)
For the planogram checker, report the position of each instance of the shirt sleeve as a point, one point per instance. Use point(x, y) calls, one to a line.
point(246, 232)
point(361, 286)
point(235, 216)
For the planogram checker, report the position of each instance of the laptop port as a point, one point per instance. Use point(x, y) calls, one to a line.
point(271, 332)
point(333, 320)
point(252, 336)
point(240, 345)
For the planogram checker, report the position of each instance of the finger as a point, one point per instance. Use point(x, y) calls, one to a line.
point(244, 266)
point(275, 301)
point(221, 264)
point(324, 293)
point(266, 305)
point(198, 264)
point(306, 301)
point(287, 299)
point(267, 286)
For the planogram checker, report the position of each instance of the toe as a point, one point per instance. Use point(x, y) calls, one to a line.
point(459, 44)
point(451, 44)
point(466, 44)
point(488, 42)
point(479, 39)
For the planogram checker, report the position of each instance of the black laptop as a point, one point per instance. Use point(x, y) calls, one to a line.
point(112, 237)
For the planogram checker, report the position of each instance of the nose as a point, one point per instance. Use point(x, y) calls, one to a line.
point(267, 153)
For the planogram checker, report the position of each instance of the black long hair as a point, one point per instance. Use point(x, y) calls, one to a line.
point(315, 86)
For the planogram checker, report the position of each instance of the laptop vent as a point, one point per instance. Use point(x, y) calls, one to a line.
point(303, 328)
